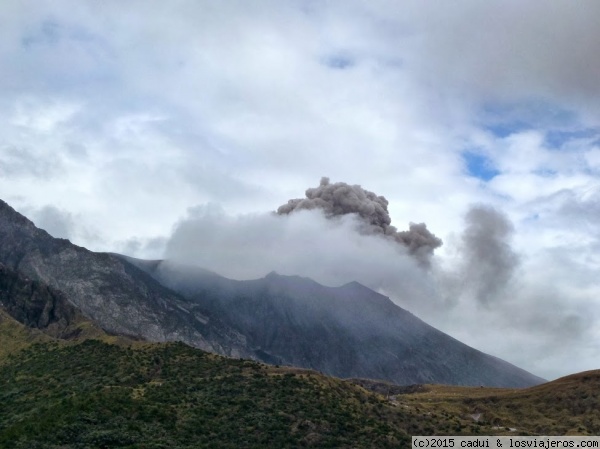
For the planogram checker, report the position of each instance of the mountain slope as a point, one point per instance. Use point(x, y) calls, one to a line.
point(80, 392)
point(119, 297)
point(350, 331)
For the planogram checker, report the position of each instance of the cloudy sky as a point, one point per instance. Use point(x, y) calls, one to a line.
point(153, 128)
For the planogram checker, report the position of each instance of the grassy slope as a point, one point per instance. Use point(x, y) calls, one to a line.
point(15, 337)
point(102, 391)
point(567, 406)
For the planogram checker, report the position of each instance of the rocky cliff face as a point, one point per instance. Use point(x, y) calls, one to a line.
point(121, 298)
point(36, 305)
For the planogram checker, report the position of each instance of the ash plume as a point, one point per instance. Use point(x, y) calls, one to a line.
point(341, 199)
point(489, 261)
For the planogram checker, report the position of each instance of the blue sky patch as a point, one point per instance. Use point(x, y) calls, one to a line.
point(505, 129)
point(479, 166)
point(559, 137)
point(502, 120)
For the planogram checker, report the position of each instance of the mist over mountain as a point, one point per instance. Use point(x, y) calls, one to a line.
point(347, 331)
point(481, 286)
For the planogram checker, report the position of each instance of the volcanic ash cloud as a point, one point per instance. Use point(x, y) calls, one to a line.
point(340, 199)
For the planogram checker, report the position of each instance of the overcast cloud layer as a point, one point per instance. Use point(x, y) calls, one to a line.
point(133, 126)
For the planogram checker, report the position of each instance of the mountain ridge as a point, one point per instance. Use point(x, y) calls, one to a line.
point(353, 330)
point(347, 331)
point(120, 297)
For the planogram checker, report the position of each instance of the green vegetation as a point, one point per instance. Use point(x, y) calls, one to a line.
point(15, 337)
point(107, 392)
point(95, 394)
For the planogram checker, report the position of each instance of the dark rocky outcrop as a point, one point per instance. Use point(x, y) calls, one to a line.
point(119, 297)
point(36, 305)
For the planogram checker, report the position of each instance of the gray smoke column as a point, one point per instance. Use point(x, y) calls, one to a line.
point(341, 199)
point(489, 261)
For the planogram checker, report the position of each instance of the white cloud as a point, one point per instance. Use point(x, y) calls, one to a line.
point(303, 243)
point(36, 116)
point(125, 115)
